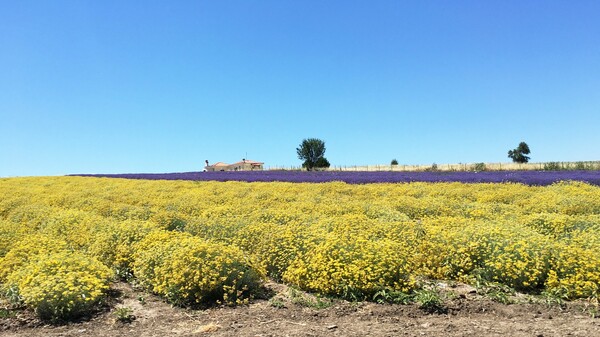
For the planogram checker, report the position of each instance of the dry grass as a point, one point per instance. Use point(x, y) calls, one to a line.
point(208, 328)
point(454, 167)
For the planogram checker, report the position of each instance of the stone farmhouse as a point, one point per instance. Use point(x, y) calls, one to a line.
point(244, 165)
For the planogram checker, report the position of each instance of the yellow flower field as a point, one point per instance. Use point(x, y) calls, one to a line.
point(197, 242)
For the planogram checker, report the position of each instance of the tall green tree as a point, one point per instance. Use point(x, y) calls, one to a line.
point(518, 155)
point(312, 151)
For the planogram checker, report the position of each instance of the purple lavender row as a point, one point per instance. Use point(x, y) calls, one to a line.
point(525, 177)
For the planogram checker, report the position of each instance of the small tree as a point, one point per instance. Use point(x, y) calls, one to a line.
point(394, 162)
point(312, 151)
point(518, 155)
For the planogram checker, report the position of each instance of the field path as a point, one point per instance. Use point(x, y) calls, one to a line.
point(467, 316)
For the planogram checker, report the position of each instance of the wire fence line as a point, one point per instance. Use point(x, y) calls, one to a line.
point(540, 166)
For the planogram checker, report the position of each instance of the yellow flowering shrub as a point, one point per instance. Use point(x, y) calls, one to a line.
point(576, 273)
point(519, 262)
point(334, 238)
point(28, 249)
point(150, 253)
point(352, 267)
point(169, 220)
point(275, 246)
point(10, 233)
point(511, 255)
point(61, 285)
point(189, 270)
point(73, 226)
point(114, 244)
point(28, 215)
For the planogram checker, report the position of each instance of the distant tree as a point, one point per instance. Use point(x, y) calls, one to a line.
point(518, 155)
point(394, 162)
point(322, 163)
point(312, 151)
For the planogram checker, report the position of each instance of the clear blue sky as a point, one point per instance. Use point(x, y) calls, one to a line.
point(160, 86)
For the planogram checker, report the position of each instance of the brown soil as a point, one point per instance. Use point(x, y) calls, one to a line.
point(292, 313)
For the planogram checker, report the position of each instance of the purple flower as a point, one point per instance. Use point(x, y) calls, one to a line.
point(525, 177)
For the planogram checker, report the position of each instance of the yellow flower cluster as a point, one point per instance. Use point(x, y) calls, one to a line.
point(189, 270)
point(204, 241)
point(114, 244)
point(61, 285)
point(28, 249)
point(353, 266)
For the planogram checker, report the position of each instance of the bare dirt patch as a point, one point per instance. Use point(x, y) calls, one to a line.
point(293, 313)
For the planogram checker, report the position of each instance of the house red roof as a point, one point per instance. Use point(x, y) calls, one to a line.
point(251, 162)
point(219, 164)
point(243, 162)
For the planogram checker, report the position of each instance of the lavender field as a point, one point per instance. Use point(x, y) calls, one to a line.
point(540, 178)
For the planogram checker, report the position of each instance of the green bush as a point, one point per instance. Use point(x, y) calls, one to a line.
point(430, 301)
point(583, 165)
point(479, 167)
point(552, 166)
point(432, 168)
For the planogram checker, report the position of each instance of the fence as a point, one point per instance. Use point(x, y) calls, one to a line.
point(550, 166)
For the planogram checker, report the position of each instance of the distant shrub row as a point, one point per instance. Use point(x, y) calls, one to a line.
point(479, 167)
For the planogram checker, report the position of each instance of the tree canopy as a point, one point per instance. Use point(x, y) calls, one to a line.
point(312, 151)
point(518, 155)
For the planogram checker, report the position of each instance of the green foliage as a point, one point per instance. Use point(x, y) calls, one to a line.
point(433, 168)
point(169, 220)
point(519, 155)
point(391, 296)
point(585, 165)
point(277, 302)
point(592, 307)
point(553, 166)
point(479, 167)
point(497, 292)
point(394, 162)
point(6, 313)
point(554, 297)
point(312, 151)
point(430, 301)
point(316, 302)
point(124, 315)
point(11, 293)
point(321, 163)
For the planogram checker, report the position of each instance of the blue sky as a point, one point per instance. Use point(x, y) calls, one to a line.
point(160, 86)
